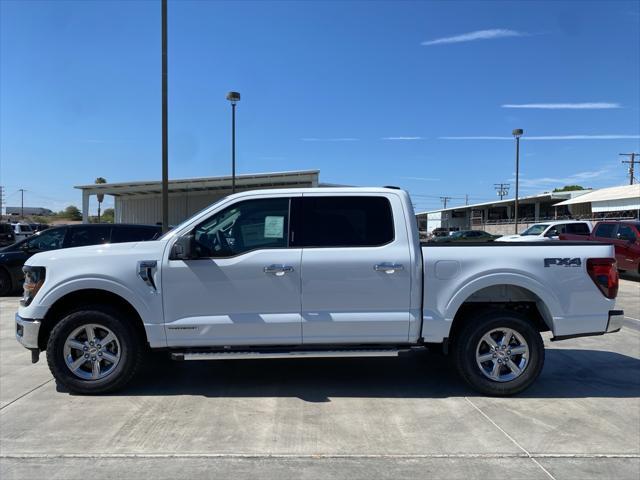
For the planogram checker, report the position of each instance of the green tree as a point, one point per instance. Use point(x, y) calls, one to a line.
point(108, 215)
point(569, 188)
point(71, 213)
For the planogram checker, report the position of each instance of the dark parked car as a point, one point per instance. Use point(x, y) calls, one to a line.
point(12, 258)
point(7, 236)
point(463, 236)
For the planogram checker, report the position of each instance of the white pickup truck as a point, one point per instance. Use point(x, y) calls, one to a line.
point(324, 272)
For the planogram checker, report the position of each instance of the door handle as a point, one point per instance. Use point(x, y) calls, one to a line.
point(278, 270)
point(388, 267)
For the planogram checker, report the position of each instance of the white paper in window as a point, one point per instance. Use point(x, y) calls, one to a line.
point(273, 227)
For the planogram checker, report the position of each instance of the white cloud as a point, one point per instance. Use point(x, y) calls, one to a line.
point(402, 138)
point(550, 137)
point(544, 182)
point(565, 106)
point(339, 139)
point(477, 35)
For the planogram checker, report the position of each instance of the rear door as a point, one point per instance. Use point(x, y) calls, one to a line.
point(605, 232)
point(356, 275)
point(626, 242)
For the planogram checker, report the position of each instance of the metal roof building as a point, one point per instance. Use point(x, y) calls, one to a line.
point(613, 199)
point(140, 202)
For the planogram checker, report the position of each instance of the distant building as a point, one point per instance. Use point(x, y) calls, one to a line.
point(28, 211)
point(141, 202)
point(498, 217)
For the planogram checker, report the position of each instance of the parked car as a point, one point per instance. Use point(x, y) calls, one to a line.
point(444, 231)
point(624, 235)
point(22, 231)
point(7, 235)
point(12, 258)
point(546, 231)
point(467, 236)
point(331, 272)
point(38, 227)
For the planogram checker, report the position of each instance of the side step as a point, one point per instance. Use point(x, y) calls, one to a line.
point(251, 355)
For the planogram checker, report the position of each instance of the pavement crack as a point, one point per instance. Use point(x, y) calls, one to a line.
point(513, 440)
point(26, 393)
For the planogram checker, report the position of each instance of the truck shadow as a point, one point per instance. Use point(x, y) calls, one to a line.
point(568, 373)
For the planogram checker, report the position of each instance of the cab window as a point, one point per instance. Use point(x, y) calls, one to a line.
point(244, 226)
point(49, 240)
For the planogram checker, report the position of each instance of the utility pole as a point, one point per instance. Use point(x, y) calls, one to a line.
point(466, 199)
point(631, 163)
point(502, 189)
point(444, 200)
point(1, 199)
point(21, 203)
point(165, 125)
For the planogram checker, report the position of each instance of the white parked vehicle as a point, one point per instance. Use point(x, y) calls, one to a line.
point(330, 272)
point(546, 231)
point(22, 231)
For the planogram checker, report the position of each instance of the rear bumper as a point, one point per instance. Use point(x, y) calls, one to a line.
point(614, 324)
point(27, 331)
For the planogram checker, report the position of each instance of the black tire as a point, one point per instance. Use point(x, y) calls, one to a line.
point(6, 286)
point(466, 345)
point(128, 342)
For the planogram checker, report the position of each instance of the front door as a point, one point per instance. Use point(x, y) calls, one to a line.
point(356, 269)
point(244, 286)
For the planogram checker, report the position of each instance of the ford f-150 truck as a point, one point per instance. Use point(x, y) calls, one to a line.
point(323, 272)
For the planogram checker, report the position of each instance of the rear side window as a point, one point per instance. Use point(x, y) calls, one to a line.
point(605, 230)
point(344, 222)
point(120, 234)
point(625, 231)
point(80, 237)
point(578, 228)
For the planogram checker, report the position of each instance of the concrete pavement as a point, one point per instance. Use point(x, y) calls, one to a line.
point(337, 418)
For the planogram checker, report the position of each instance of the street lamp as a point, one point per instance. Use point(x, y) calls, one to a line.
point(234, 98)
point(517, 133)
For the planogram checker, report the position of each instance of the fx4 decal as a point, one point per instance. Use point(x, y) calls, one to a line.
point(562, 262)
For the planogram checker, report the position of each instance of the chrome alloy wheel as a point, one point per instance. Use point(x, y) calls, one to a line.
point(91, 351)
point(502, 354)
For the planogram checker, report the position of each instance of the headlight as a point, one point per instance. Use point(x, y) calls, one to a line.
point(33, 280)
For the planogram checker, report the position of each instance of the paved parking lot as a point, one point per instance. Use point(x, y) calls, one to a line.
point(342, 418)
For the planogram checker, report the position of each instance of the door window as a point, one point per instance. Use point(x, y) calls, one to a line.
point(50, 240)
point(83, 236)
point(345, 222)
point(605, 230)
point(625, 232)
point(578, 228)
point(244, 226)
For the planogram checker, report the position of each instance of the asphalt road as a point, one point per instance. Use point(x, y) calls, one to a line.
point(336, 418)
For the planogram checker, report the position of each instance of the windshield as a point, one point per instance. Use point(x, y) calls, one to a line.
point(537, 229)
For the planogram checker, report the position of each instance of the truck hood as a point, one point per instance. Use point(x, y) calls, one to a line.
point(98, 253)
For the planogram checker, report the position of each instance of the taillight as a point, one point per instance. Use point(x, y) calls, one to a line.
point(604, 273)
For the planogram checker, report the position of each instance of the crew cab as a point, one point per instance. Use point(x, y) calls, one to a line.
point(322, 272)
point(624, 235)
point(546, 231)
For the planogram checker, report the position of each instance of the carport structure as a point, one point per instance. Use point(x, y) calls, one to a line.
point(140, 202)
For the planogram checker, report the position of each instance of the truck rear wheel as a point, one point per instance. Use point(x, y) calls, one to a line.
point(93, 350)
point(500, 353)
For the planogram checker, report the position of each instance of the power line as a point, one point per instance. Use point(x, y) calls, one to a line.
point(631, 163)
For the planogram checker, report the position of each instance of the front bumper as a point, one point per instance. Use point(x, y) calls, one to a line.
point(27, 331)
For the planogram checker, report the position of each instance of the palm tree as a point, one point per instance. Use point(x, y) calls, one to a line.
point(100, 196)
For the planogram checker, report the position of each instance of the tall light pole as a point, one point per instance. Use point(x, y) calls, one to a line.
point(165, 125)
point(517, 133)
point(234, 98)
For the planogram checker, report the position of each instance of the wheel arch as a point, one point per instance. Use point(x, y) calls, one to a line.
point(84, 297)
point(508, 292)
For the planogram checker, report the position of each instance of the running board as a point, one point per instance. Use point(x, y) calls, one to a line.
point(240, 355)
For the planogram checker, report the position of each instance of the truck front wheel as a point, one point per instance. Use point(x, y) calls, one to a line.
point(499, 353)
point(93, 350)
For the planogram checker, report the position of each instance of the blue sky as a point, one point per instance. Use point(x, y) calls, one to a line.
point(370, 93)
